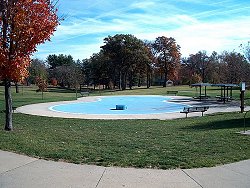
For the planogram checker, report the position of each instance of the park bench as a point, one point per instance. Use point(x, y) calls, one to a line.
point(222, 98)
point(84, 93)
point(14, 108)
point(202, 97)
point(201, 109)
point(172, 92)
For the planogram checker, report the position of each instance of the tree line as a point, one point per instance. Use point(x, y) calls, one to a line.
point(125, 61)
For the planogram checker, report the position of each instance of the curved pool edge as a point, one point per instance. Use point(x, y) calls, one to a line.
point(42, 109)
point(135, 105)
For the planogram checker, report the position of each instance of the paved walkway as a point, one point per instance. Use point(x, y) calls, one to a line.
point(18, 171)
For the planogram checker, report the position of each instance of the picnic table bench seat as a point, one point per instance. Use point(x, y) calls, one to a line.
point(14, 108)
point(201, 109)
point(222, 98)
point(201, 97)
point(172, 92)
point(84, 93)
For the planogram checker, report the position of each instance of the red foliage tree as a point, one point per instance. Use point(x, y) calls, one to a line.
point(168, 56)
point(54, 82)
point(42, 84)
point(23, 25)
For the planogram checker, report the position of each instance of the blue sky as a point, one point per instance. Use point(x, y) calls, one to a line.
point(195, 24)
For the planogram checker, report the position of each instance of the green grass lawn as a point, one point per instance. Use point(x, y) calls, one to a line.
point(182, 143)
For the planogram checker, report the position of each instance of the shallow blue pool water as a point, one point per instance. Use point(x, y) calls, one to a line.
point(133, 104)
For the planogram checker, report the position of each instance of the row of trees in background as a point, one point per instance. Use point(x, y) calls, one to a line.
point(125, 61)
point(228, 67)
point(58, 70)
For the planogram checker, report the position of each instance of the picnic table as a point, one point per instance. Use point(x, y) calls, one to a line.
point(84, 93)
point(172, 92)
point(224, 98)
point(201, 109)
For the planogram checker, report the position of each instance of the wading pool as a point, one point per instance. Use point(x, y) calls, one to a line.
point(132, 105)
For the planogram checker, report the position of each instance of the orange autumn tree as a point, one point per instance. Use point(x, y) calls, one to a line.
point(23, 25)
point(168, 55)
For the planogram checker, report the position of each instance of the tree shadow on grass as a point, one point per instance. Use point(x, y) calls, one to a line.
point(220, 124)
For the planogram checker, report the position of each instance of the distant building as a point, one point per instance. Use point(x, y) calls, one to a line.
point(169, 83)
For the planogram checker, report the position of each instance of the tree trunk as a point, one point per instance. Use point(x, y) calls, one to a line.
point(17, 87)
point(113, 80)
point(120, 80)
point(124, 81)
point(8, 106)
point(165, 79)
point(130, 80)
point(139, 81)
point(148, 78)
point(165, 72)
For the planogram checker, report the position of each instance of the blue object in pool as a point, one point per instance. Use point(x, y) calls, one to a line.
point(132, 105)
point(120, 107)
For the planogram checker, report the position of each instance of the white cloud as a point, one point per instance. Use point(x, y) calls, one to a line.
point(143, 4)
point(226, 29)
point(212, 36)
point(219, 36)
point(82, 52)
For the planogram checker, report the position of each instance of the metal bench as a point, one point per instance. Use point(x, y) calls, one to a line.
point(14, 108)
point(201, 109)
point(84, 93)
point(172, 92)
point(221, 98)
point(202, 97)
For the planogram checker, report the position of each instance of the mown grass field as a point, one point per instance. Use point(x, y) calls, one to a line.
point(182, 143)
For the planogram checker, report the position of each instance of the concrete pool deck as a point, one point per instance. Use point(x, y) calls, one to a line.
point(42, 109)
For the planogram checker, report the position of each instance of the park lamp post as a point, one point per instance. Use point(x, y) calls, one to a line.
point(242, 91)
